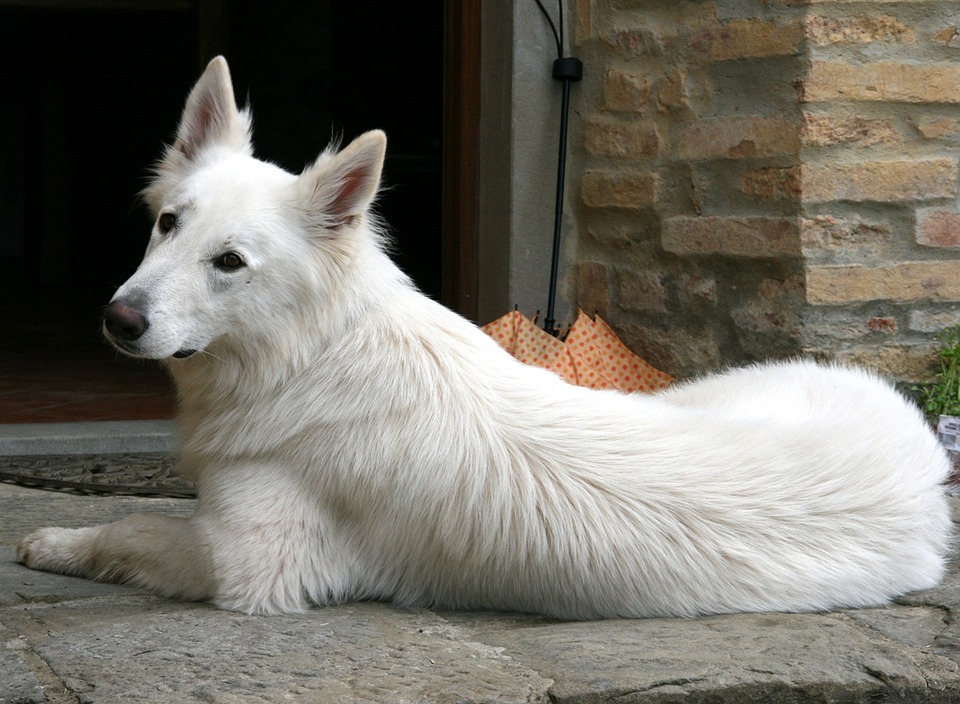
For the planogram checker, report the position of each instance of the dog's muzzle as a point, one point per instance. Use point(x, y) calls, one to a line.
point(124, 325)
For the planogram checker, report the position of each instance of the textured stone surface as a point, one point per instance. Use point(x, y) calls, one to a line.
point(65, 640)
point(845, 129)
point(817, 137)
point(909, 281)
point(17, 682)
point(830, 232)
point(937, 227)
point(770, 657)
point(884, 181)
point(883, 81)
point(903, 363)
point(640, 290)
point(618, 190)
point(621, 139)
point(627, 91)
point(592, 278)
point(771, 183)
point(35, 509)
point(148, 650)
point(748, 38)
point(736, 236)
point(736, 137)
point(859, 29)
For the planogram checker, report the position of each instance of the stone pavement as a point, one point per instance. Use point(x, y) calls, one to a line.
point(69, 640)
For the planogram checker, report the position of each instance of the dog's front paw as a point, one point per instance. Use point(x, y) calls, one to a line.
point(63, 550)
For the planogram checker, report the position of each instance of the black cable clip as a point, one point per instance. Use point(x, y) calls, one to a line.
point(569, 68)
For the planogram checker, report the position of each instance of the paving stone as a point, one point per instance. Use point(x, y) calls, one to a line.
point(34, 509)
point(150, 650)
point(70, 640)
point(17, 682)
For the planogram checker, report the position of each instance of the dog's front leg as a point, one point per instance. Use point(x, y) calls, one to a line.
point(167, 555)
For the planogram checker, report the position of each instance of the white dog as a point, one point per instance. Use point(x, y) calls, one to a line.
point(352, 439)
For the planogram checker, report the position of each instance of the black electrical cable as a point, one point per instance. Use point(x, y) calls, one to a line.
point(553, 28)
point(566, 69)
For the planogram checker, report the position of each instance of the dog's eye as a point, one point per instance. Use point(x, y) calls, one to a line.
point(166, 222)
point(229, 261)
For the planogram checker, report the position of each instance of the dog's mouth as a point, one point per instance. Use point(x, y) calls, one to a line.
point(121, 345)
point(128, 329)
point(133, 350)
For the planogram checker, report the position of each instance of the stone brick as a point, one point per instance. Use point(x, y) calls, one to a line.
point(635, 42)
point(948, 36)
point(621, 139)
point(754, 237)
point(862, 29)
point(906, 363)
point(775, 289)
point(672, 95)
point(937, 227)
point(827, 330)
point(882, 80)
point(697, 290)
point(772, 183)
point(831, 232)
point(830, 130)
point(640, 291)
point(883, 181)
point(736, 138)
point(677, 351)
point(774, 309)
point(626, 91)
point(593, 288)
point(618, 190)
point(748, 39)
point(616, 234)
point(619, 228)
point(583, 24)
point(937, 127)
point(857, 2)
point(908, 281)
point(930, 322)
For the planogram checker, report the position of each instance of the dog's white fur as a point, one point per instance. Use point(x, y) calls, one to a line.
point(352, 439)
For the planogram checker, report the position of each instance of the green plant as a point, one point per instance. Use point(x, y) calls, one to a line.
point(941, 397)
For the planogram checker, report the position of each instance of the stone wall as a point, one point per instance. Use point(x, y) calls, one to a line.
point(763, 178)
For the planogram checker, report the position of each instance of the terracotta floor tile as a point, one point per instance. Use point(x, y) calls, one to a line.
point(56, 367)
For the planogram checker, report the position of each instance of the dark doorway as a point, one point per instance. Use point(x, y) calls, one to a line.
point(335, 69)
point(91, 91)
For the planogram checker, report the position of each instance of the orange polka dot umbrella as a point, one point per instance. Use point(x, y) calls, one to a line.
point(591, 354)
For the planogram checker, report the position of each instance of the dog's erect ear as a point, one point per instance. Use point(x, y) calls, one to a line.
point(339, 187)
point(210, 120)
point(211, 116)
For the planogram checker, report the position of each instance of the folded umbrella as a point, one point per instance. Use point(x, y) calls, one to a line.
point(590, 354)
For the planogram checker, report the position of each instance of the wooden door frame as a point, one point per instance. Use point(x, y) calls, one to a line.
point(461, 156)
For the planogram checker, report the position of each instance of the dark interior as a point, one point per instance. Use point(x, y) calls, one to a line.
point(90, 96)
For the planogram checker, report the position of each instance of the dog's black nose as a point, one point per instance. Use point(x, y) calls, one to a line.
point(124, 322)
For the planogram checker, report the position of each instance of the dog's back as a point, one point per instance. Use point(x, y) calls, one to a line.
point(480, 482)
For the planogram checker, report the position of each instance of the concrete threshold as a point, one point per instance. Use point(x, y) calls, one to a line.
point(87, 438)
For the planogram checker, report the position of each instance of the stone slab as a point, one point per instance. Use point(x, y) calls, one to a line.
point(23, 510)
point(150, 650)
point(87, 438)
point(69, 640)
